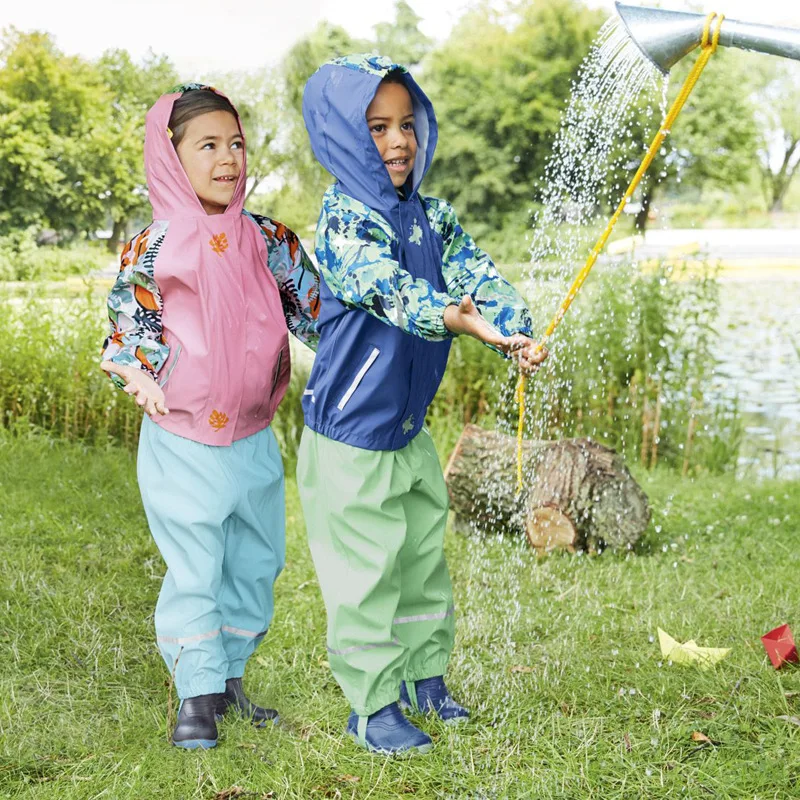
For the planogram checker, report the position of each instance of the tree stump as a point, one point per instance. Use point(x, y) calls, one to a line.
point(577, 493)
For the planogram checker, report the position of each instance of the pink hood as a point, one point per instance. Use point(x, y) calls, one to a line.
point(171, 194)
point(228, 366)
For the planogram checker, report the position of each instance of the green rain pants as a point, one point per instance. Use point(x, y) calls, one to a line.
point(376, 523)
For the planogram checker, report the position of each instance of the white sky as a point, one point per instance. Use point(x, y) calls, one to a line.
point(208, 36)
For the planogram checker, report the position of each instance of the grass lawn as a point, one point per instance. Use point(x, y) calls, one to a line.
point(557, 658)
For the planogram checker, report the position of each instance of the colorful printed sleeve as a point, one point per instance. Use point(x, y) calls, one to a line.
point(297, 278)
point(469, 270)
point(357, 257)
point(134, 308)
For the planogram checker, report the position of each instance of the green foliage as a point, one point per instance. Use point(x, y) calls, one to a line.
point(22, 260)
point(631, 367)
point(555, 657)
point(520, 66)
point(637, 341)
point(50, 377)
point(402, 39)
point(72, 134)
point(777, 100)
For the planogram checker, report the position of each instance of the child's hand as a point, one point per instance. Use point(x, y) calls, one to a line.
point(139, 384)
point(528, 353)
point(465, 320)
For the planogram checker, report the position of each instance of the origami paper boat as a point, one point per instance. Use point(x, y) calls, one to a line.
point(780, 646)
point(690, 652)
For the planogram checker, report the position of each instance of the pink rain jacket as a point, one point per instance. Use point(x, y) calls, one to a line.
point(228, 366)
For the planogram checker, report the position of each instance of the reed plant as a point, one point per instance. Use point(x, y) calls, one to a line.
point(632, 366)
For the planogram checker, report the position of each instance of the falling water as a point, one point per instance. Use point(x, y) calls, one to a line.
point(597, 141)
point(598, 138)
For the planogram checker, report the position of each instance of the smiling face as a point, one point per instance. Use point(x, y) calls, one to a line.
point(211, 151)
point(390, 117)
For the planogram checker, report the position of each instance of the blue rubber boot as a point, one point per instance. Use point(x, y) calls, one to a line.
point(387, 732)
point(196, 728)
point(431, 694)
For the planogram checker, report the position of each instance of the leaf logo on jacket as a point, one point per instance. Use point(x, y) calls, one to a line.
point(218, 420)
point(219, 243)
point(416, 234)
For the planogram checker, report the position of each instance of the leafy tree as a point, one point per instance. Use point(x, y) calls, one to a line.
point(778, 118)
point(119, 156)
point(68, 94)
point(714, 142)
point(31, 182)
point(402, 39)
point(499, 85)
point(303, 181)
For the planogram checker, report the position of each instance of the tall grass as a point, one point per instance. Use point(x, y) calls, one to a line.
point(631, 367)
point(21, 259)
point(50, 377)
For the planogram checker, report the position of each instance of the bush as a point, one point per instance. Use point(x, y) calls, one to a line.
point(50, 376)
point(630, 367)
point(22, 260)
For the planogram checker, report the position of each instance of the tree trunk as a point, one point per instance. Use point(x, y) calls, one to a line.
point(577, 494)
point(117, 234)
point(780, 182)
point(643, 217)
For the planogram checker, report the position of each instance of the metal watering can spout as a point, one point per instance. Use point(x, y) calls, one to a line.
point(665, 37)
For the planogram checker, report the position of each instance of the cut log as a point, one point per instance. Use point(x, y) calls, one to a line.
point(577, 494)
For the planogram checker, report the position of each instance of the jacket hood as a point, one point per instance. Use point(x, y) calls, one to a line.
point(171, 195)
point(335, 104)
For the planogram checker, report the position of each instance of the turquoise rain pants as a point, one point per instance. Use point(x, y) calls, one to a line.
point(376, 523)
point(217, 515)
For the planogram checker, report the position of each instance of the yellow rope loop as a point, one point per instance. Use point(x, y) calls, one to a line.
point(704, 42)
point(709, 44)
point(717, 33)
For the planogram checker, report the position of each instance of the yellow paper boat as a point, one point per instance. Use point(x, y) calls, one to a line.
point(690, 652)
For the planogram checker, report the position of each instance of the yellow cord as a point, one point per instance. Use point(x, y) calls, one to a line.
point(709, 47)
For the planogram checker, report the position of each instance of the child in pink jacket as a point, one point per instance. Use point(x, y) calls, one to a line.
point(199, 322)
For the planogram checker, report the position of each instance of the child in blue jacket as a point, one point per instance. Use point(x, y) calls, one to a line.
point(399, 278)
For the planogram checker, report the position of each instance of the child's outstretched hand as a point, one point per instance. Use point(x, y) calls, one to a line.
point(465, 319)
point(139, 384)
point(528, 353)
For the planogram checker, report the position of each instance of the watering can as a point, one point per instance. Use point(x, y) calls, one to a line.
point(665, 37)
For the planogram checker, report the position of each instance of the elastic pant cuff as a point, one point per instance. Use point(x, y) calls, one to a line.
point(431, 669)
point(377, 702)
point(235, 669)
point(194, 689)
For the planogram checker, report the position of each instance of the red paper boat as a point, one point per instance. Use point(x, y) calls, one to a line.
point(780, 646)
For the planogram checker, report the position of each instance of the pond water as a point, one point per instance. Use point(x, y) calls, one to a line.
point(759, 355)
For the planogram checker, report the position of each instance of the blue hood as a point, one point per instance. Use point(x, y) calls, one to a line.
point(335, 104)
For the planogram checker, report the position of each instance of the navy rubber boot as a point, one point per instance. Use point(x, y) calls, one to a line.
point(196, 727)
point(236, 700)
point(431, 694)
point(388, 732)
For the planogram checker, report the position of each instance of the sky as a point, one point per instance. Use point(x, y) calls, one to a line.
point(204, 37)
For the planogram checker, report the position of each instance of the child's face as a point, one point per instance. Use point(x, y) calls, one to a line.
point(390, 117)
point(211, 152)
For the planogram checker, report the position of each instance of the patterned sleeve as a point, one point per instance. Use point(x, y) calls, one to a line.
point(297, 278)
point(134, 308)
point(357, 258)
point(469, 270)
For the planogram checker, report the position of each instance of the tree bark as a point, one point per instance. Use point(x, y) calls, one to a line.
point(643, 216)
point(117, 234)
point(577, 494)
